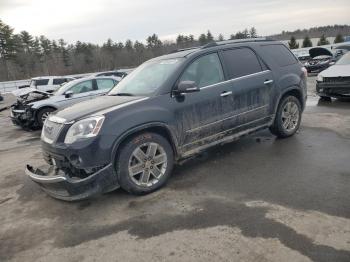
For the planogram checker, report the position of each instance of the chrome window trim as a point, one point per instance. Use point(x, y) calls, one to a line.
point(228, 81)
point(235, 79)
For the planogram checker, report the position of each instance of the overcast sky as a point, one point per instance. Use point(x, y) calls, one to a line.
point(97, 20)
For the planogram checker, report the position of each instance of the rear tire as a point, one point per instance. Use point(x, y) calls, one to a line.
point(288, 117)
point(144, 163)
point(43, 114)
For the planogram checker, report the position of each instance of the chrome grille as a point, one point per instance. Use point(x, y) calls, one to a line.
point(50, 131)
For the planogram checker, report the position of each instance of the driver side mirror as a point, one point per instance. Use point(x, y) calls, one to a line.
point(187, 87)
point(68, 94)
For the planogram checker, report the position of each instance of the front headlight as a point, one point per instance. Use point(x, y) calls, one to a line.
point(319, 78)
point(84, 128)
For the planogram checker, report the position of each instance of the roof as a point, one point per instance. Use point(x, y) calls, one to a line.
point(187, 51)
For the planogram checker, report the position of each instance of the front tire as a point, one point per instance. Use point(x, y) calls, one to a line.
point(43, 114)
point(288, 117)
point(144, 163)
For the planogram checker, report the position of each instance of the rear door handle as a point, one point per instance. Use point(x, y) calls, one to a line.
point(226, 93)
point(268, 82)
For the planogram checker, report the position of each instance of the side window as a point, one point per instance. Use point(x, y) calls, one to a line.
point(82, 87)
point(41, 82)
point(240, 62)
point(205, 71)
point(280, 54)
point(59, 81)
point(105, 84)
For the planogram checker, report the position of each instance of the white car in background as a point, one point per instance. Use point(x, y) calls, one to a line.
point(47, 83)
point(335, 81)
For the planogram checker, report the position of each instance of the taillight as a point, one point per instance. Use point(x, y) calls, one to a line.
point(304, 71)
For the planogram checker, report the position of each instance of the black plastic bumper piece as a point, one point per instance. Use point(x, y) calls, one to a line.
point(59, 185)
point(336, 89)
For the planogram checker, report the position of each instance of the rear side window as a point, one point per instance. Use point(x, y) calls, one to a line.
point(82, 87)
point(280, 54)
point(240, 62)
point(41, 82)
point(105, 84)
point(59, 81)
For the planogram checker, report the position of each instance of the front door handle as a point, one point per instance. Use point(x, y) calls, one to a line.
point(268, 82)
point(226, 93)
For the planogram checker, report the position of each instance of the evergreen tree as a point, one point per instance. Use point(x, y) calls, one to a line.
point(245, 33)
point(221, 37)
point(202, 39)
point(339, 39)
point(323, 41)
point(210, 37)
point(253, 33)
point(7, 43)
point(293, 43)
point(129, 45)
point(153, 42)
point(307, 42)
point(27, 41)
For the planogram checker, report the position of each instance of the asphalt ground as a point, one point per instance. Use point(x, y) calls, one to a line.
point(257, 199)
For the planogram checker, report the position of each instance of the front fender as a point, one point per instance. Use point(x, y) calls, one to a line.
point(146, 126)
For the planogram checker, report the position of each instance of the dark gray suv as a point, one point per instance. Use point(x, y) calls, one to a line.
point(168, 109)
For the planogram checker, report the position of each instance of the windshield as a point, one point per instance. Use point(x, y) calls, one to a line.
point(345, 60)
point(147, 78)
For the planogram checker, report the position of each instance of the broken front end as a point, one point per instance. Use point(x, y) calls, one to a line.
point(74, 172)
point(22, 113)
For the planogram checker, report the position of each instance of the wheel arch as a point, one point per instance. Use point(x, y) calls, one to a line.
point(37, 110)
point(293, 90)
point(158, 128)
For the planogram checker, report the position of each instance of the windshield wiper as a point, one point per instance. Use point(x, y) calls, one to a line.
point(121, 94)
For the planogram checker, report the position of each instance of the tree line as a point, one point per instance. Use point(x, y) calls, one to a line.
point(23, 56)
point(293, 44)
point(314, 32)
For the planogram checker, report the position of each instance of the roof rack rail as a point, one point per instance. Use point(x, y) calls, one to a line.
point(235, 41)
point(184, 49)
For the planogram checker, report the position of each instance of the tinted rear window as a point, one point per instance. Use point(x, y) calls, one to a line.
point(280, 54)
point(41, 82)
point(59, 81)
point(241, 62)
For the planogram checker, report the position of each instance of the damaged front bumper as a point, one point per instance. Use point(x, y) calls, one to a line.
point(22, 117)
point(333, 89)
point(60, 185)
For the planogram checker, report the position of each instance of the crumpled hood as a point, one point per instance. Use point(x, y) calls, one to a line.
point(336, 71)
point(28, 90)
point(318, 51)
point(94, 106)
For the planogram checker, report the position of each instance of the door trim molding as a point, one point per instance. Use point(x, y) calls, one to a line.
point(224, 119)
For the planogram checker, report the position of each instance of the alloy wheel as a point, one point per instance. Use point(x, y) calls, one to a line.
point(290, 116)
point(147, 164)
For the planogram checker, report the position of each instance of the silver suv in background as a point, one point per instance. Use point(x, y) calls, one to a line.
point(33, 106)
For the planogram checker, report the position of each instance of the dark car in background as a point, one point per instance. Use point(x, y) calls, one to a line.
point(320, 59)
point(168, 109)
